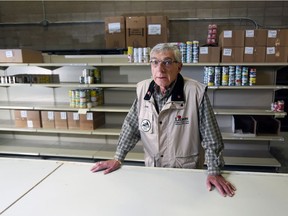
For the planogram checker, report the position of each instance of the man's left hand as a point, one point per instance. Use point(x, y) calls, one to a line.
point(223, 186)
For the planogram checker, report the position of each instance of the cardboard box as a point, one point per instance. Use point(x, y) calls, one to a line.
point(20, 56)
point(136, 32)
point(254, 54)
point(20, 118)
point(33, 119)
point(48, 119)
point(276, 54)
point(232, 54)
point(73, 120)
point(209, 55)
point(91, 120)
point(277, 38)
point(157, 30)
point(61, 121)
point(115, 35)
point(231, 38)
point(255, 38)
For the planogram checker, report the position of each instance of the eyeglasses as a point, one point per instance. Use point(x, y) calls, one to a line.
point(166, 63)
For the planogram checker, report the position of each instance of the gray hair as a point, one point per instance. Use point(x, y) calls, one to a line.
point(162, 47)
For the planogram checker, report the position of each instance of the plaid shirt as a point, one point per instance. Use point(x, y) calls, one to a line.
point(209, 130)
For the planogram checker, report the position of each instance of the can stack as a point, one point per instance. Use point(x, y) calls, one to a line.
point(229, 76)
point(189, 51)
point(238, 76)
point(252, 76)
point(90, 76)
point(138, 55)
point(231, 80)
point(195, 52)
point(7, 79)
point(225, 76)
point(183, 50)
point(217, 79)
point(86, 98)
point(244, 77)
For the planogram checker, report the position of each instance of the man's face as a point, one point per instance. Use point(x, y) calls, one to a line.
point(164, 68)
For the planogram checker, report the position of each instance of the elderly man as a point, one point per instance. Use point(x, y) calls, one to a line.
point(173, 118)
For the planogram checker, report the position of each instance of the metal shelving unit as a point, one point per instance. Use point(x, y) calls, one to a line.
point(106, 136)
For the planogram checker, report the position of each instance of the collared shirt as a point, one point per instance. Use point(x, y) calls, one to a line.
point(209, 130)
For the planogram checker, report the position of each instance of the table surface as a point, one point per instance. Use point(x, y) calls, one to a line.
point(20, 176)
point(72, 189)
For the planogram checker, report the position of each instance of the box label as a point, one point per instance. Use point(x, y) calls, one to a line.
point(76, 116)
point(9, 54)
point(50, 115)
point(23, 114)
point(272, 33)
point(227, 34)
point(270, 51)
point(204, 50)
point(89, 116)
point(227, 52)
point(250, 33)
point(63, 115)
point(154, 29)
point(114, 28)
point(249, 50)
point(30, 124)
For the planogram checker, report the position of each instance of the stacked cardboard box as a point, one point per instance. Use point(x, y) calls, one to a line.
point(232, 46)
point(277, 45)
point(157, 30)
point(61, 121)
point(27, 119)
point(73, 120)
point(20, 56)
point(255, 45)
point(136, 31)
point(48, 119)
point(115, 36)
point(209, 55)
point(91, 120)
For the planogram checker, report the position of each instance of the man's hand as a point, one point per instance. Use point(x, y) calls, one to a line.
point(223, 186)
point(108, 166)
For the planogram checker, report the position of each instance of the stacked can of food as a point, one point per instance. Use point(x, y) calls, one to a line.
point(130, 54)
point(244, 77)
point(225, 76)
point(86, 98)
point(252, 76)
point(195, 51)
point(183, 50)
point(189, 51)
point(217, 79)
point(90, 76)
point(231, 80)
point(238, 76)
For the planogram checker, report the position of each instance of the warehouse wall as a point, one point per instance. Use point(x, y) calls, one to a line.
point(79, 24)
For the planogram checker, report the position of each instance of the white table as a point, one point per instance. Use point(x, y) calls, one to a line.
point(18, 177)
point(73, 190)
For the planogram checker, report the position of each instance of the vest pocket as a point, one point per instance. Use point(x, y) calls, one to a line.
point(186, 162)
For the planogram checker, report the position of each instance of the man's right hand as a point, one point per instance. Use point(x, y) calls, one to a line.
point(108, 166)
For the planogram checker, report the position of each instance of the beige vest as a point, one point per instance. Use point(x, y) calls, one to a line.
point(172, 138)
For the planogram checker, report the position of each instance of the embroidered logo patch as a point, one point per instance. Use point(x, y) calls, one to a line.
point(146, 125)
point(180, 120)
